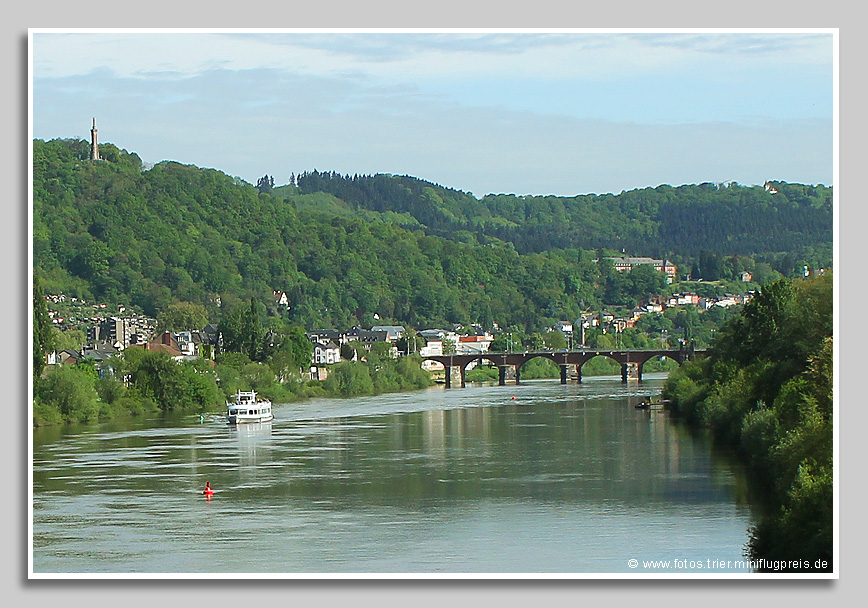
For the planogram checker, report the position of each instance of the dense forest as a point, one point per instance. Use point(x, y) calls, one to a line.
point(673, 222)
point(767, 389)
point(349, 250)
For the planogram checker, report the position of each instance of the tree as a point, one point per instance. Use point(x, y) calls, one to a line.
point(70, 391)
point(170, 384)
point(349, 379)
point(646, 281)
point(265, 184)
point(348, 353)
point(70, 339)
point(555, 340)
point(380, 351)
point(410, 342)
point(242, 330)
point(288, 350)
point(535, 341)
point(767, 389)
point(499, 345)
point(110, 231)
point(182, 316)
point(43, 336)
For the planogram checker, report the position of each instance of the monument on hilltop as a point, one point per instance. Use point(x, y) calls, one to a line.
point(94, 144)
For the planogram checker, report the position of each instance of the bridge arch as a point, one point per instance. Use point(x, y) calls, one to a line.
point(596, 355)
point(540, 355)
point(631, 361)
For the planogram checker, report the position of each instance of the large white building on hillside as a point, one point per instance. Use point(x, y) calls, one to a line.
point(627, 263)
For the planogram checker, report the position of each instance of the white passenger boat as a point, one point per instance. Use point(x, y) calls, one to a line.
point(247, 407)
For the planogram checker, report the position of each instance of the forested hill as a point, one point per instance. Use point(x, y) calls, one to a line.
point(400, 248)
point(663, 221)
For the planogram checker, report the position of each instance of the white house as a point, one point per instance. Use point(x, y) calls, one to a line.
point(434, 348)
point(565, 327)
point(326, 353)
point(472, 345)
point(728, 301)
point(280, 298)
point(440, 335)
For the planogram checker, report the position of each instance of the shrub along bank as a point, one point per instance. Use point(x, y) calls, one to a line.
point(77, 393)
point(767, 389)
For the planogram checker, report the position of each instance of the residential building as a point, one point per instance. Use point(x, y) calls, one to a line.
point(280, 298)
point(434, 348)
point(326, 353)
point(393, 332)
point(366, 336)
point(326, 335)
point(728, 300)
point(63, 357)
point(682, 299)
point(627, 263)
point(165, 343)
point(472, 345)
point(565, 327)
point(119, 332)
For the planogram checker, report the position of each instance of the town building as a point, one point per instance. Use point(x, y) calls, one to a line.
point(628, 263)
point(393, 332)
point(326, 353)
point(120, 332)
point(472, 345)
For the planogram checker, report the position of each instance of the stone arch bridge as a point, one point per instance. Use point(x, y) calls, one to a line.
point(630, 359)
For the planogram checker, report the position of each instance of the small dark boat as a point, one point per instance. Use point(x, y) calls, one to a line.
point(650, 404)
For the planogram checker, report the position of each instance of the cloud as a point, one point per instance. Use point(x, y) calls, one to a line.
point(417, 55)
point(250, 105)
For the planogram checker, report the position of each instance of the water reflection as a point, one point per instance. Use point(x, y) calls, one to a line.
point(253, 441)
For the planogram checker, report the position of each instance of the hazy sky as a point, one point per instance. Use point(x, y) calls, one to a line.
point(519, 112)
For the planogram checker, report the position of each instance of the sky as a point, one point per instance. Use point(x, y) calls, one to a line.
point(524, 112)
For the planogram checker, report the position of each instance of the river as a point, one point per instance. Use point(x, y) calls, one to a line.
point(540, 478)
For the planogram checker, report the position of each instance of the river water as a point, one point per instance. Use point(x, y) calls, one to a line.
point(541, 478)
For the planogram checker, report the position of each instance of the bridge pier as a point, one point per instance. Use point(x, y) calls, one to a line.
point(631, 371)
point(564, 371)
point(462, 373)
point(501, 375)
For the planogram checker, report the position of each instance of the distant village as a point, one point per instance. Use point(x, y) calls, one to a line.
point(111, 332)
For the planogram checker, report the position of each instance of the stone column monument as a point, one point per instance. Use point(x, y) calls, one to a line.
point(94, 145)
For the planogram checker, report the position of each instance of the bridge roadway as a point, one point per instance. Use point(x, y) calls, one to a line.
point(630, 359)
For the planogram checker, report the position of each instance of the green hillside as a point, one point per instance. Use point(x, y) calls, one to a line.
point(411, 252)
point(664, 221)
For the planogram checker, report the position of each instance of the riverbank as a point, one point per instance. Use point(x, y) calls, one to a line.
point(83, 392)
point(152, 383)
point(767, 391)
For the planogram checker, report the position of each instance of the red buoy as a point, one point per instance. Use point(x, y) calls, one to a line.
point(208, 491)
